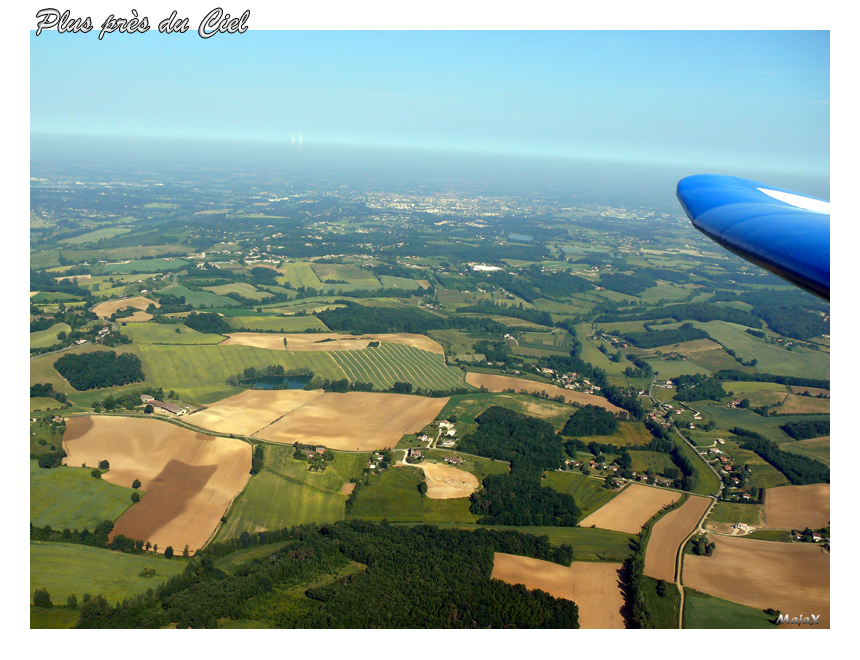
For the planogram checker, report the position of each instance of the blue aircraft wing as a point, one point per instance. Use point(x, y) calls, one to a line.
point(783, 231)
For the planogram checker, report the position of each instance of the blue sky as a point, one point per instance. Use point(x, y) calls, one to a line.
point(712, 100)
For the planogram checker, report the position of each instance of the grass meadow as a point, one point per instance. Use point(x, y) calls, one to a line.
point(45, 338)
point(278, 323)
point(704, 611)
point(65, 569)
point(589, 493)
point(298, 273)
point(70, 497)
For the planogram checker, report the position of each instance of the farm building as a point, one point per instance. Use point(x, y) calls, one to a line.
point(169, 407)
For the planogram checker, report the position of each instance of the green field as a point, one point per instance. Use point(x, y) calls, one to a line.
point(391, 282)
point(389, 363)
point(467, 407)
point(704, 611)
point(742, 387)
point(628, 434)
point(727, 418)
point(70, 497)
point(65, 569)
point(645, 460)
point(818, 449)
point(44, 618)
point(346, 272)
point(146, 266)
point(764, 475)
point(775, 535)
point(45, 338)
point(393, 496)
point(286, 493)
point(298, 273)
point(44, 403)
point(199, 299)
point(707, 483)
point(199, 372)
point(730, 513)
point(97, 235)
point(242, 288)
point(166, 333)
point(663, 612)
point(665, 292)
point(478, 465)
point(589, 493)
point(279, 323)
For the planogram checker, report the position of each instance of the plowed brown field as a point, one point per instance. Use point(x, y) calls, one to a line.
point(354, 421)
point(797, 507)
point(629, 510)
point(328, 341)
point(445, 482)
point(105, 309)
point(251, 411)
point(501, 383)
point(668, 534)
point(594, 587)
point(793, 578)
point(189, 478)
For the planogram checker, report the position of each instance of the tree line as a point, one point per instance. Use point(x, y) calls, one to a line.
point(798, 469)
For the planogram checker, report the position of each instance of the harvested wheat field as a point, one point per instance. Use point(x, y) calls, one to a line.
point(327, 341)
point(794, 404)
point(690, 347)
point(631, 508)
point(501, 383)
point(445, 482)
point(79, 278)
point(594, 587)
point(189, 478)
point(105, 309)
point(354, 421)
point(668, 534)
point(793, 578)
point(251, 410)
point(797, 507)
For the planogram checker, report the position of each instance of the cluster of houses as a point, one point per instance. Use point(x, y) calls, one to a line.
point(374, 461)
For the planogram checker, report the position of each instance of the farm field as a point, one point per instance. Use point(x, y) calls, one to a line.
point(763, 474)
point(298, 273)
point(106, 309)
point(650, 460)
point(44, 403)
point(477, 465)
point(393, 496)
point(346, 272)
point(57, 617)
point(704, 611)
point(66, 569)
point(801, 405)
point(468, 406)
point(278, 323)
point(69, 497)
point(445, 482)
point(593, 587)
point(501, 383)
point(726, 514)
point(189, 478)
point(793, 578)
point(817, 449)
point(45, 338)
point(668, 534)
point(97, 235)
point(242, 288)
point(628, 434)
point(389, 282)
point(741, 387)
point(588, 493)
point(198, 299)
point(251, 410)
point(631, 509)
point(145, 265)
point(42, 368)
point(286, 493)
point(199, 372)
point(797, 507)
point(158, 333)
point(351, 421)
point(324, 341)
point(390, 363)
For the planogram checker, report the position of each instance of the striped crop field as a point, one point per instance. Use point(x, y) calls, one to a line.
point(298, 273)
point(389, 363)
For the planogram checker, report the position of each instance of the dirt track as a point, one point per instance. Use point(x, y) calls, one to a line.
point(594, 587)
point(501, 383)
point(629, 510)
point(189, 478)
point(797, 507)
point(668, 534)
point(793, 578)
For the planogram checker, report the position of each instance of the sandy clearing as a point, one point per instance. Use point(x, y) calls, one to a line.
point(354, 421)
point(594, 587)
point(189, 478)
point(34, 293)
point(501, 383)
point(793, 578)
point(137, 317)
point(105, 309)
point(797, 507)
point(445, 482)
point(347, 488)
point(424, 284)
point(668, 534)
point(327, 341)
point(251, 410)
point(630, 509)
